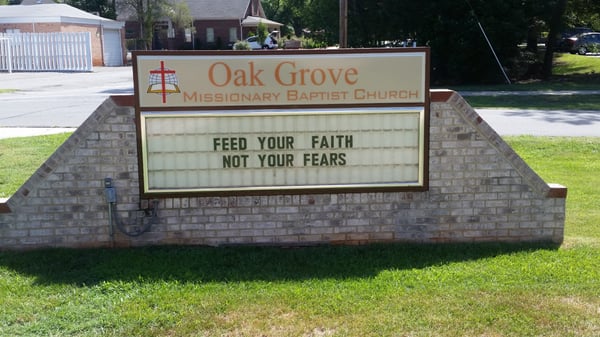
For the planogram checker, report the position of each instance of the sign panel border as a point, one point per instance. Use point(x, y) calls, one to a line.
point(417, 113)
point(422, 185)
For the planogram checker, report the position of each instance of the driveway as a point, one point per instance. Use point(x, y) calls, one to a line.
point(47, 102)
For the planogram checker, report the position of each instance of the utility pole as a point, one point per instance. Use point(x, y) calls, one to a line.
point(343, 23)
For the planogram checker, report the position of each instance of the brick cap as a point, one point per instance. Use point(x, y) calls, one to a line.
point(4, 206)
point(441, 95)
point(123, 100)
point(557, 191)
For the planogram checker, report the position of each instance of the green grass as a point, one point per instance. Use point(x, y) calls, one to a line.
point(20, 157)
point(378, 290)
point(392, 290)
point(569, 64)
point(575, 163)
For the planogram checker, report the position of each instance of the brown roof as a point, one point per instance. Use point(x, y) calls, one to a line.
point(212, 9)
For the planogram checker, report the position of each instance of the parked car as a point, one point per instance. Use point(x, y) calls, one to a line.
point(584, 43)
point(564, 44)
point(269, 43)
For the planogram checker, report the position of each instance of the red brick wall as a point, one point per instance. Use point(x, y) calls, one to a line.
point(221, 29)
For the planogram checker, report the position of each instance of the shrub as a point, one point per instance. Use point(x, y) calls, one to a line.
point(309, 43)
point(241, 45)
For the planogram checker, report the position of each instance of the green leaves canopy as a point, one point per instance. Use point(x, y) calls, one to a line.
point(451, 28)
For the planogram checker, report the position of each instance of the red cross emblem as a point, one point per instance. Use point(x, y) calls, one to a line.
point(163, 81)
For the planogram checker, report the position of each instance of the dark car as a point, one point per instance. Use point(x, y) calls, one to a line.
point(564, 44)
point(584, 43)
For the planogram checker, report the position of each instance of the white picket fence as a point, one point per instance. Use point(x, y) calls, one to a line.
point(46, 52)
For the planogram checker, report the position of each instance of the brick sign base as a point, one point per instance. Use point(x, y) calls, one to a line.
point(480, 190)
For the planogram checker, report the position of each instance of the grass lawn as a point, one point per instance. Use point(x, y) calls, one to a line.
point(20, 157)
point(571, 72)
point(575, 163)
point(570, 64)
point(378, 290)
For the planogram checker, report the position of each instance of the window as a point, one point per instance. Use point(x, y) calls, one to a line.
point(210, 35)
point(233, 34)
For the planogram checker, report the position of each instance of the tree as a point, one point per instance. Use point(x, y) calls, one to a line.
point(104, 8)
point(180, 16)
point(146, 11)
point(322, 21)
point(261, 32)
point(451, 28)
point(584, 13)
point(555, 25)
point(290, 12)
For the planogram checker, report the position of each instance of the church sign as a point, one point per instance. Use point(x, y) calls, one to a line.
point(277, 121)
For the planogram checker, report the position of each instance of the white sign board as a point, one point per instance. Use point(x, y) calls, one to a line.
point(258, 150)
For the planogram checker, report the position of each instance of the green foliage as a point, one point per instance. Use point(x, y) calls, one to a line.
point(593, 48)
point(261, 32)
point(294, 13)
point(241, 45)
point(308, 43)
point(460, 53)
point(583, 13)
point(179, 13)
point(106, 8)
point(146, 13)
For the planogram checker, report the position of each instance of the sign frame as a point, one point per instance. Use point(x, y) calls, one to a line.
point(142, 109)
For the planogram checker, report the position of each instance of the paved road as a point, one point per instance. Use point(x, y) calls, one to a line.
point(530, 93)
point(48, 102)
point(59, 99)
point(543, 122)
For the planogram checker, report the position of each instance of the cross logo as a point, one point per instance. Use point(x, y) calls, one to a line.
point(162, 81)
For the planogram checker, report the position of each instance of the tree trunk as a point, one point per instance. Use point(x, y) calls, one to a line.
point(555, 26)
point(532, 38)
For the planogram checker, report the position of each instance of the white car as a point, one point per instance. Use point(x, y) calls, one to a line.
point(269, 43)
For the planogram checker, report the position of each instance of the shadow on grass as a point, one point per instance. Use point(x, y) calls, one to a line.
point(233, 264)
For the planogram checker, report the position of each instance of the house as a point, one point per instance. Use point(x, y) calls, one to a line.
point(217, 24)
point(39, 16)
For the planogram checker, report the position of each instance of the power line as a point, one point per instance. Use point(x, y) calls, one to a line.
point(488, 42)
